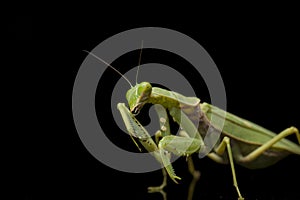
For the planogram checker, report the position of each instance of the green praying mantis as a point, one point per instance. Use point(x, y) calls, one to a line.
point(241, 141)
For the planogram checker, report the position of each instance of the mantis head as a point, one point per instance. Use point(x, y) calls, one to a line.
point(138, 96)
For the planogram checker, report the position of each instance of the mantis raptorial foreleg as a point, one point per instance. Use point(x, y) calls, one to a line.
point(163, 122)
point(136, 130)
point(164, 130)
point(179, 145)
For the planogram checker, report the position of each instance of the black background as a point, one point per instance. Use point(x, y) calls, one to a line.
point(257, 58)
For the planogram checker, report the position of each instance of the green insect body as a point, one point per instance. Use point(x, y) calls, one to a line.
point(246, 143)
point(247, 136)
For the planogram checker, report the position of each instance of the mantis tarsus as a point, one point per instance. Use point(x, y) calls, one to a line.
point(241, 141)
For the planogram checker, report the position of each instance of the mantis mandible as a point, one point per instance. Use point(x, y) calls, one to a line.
point(241, 141)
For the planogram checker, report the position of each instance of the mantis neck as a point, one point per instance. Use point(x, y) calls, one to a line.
point(164, 100)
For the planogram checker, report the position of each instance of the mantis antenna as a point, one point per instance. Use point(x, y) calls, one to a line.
point(98, 58)
point(137, 72)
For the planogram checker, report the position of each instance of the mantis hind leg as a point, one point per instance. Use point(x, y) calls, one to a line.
point(257, 152)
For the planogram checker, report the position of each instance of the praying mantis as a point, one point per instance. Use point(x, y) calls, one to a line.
point(241, 141)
